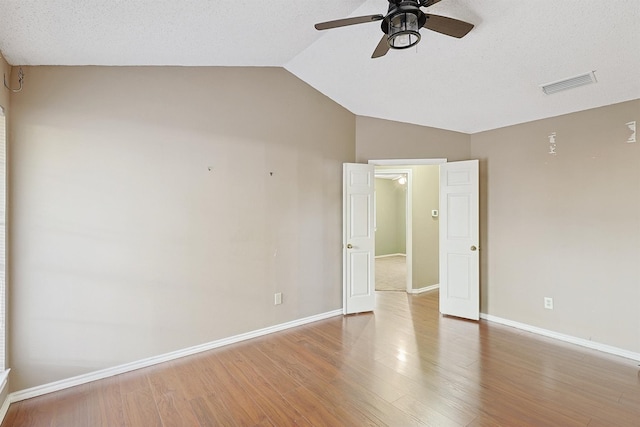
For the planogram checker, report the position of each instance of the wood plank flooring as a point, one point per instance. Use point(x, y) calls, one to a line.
point(404, 365)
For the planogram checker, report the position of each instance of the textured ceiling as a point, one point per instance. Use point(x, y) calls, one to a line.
point(488, 79)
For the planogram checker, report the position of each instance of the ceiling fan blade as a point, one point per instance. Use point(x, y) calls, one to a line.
point(448, 26)
point(382, 48)
point(348, 21)
point(427, 3)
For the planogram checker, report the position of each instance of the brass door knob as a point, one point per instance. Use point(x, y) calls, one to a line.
point(349, 246)
point(473, 248)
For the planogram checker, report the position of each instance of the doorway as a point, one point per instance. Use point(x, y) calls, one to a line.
point(392, 226)
point(457, 254)
point(420, 195)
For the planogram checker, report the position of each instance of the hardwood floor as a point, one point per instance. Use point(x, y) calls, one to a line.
point(404, 365)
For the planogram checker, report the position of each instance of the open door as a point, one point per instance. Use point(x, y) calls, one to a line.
point(358, 242)
point(459, 240)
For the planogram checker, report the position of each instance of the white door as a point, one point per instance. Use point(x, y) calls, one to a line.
point(358, 242)
point(459, 240)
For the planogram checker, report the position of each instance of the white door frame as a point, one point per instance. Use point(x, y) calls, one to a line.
point(408, 230)
point(407, 162)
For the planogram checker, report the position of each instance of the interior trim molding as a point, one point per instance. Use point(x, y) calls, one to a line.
point(562, 337)
point(4, 380)
point(390, 255)
point(425, 289)
point(5, 407)
point(404, 162)
point(143, 363)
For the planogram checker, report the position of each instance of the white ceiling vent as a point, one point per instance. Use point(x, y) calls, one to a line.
point(570, 83)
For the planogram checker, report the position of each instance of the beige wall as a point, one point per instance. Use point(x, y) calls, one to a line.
point(383, 139)
point(125, 244)
point(5, 69)
point(5, 98)
point(426, 194)
point(401, 214)
point(565, 226)
point(390, 217)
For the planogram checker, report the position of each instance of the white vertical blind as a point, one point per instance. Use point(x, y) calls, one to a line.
point(3, 223)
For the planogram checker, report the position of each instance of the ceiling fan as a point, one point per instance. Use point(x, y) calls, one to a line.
point(402, 23)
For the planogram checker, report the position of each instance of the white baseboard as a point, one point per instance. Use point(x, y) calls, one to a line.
point(388, 255)
point(127, 367)
point(562, 337)
point(425, 289)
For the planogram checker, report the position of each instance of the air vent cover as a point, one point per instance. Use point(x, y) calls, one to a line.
point(570, 83)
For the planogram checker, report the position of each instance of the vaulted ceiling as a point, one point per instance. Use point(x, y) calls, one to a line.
point(486, 80)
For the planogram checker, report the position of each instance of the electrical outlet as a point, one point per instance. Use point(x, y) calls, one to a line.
point(548, 303)
point(277, 298)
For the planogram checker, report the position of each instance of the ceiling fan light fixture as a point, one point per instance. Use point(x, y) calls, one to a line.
point(403, 30)
point(402, 23)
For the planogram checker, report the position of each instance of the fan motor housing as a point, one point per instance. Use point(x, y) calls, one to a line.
point(406, 6)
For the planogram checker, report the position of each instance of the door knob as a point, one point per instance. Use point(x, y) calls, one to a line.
point(473, 248)
point(349, 246)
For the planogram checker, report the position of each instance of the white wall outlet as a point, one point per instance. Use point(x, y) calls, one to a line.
point(277, 298)
point(548, 303)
